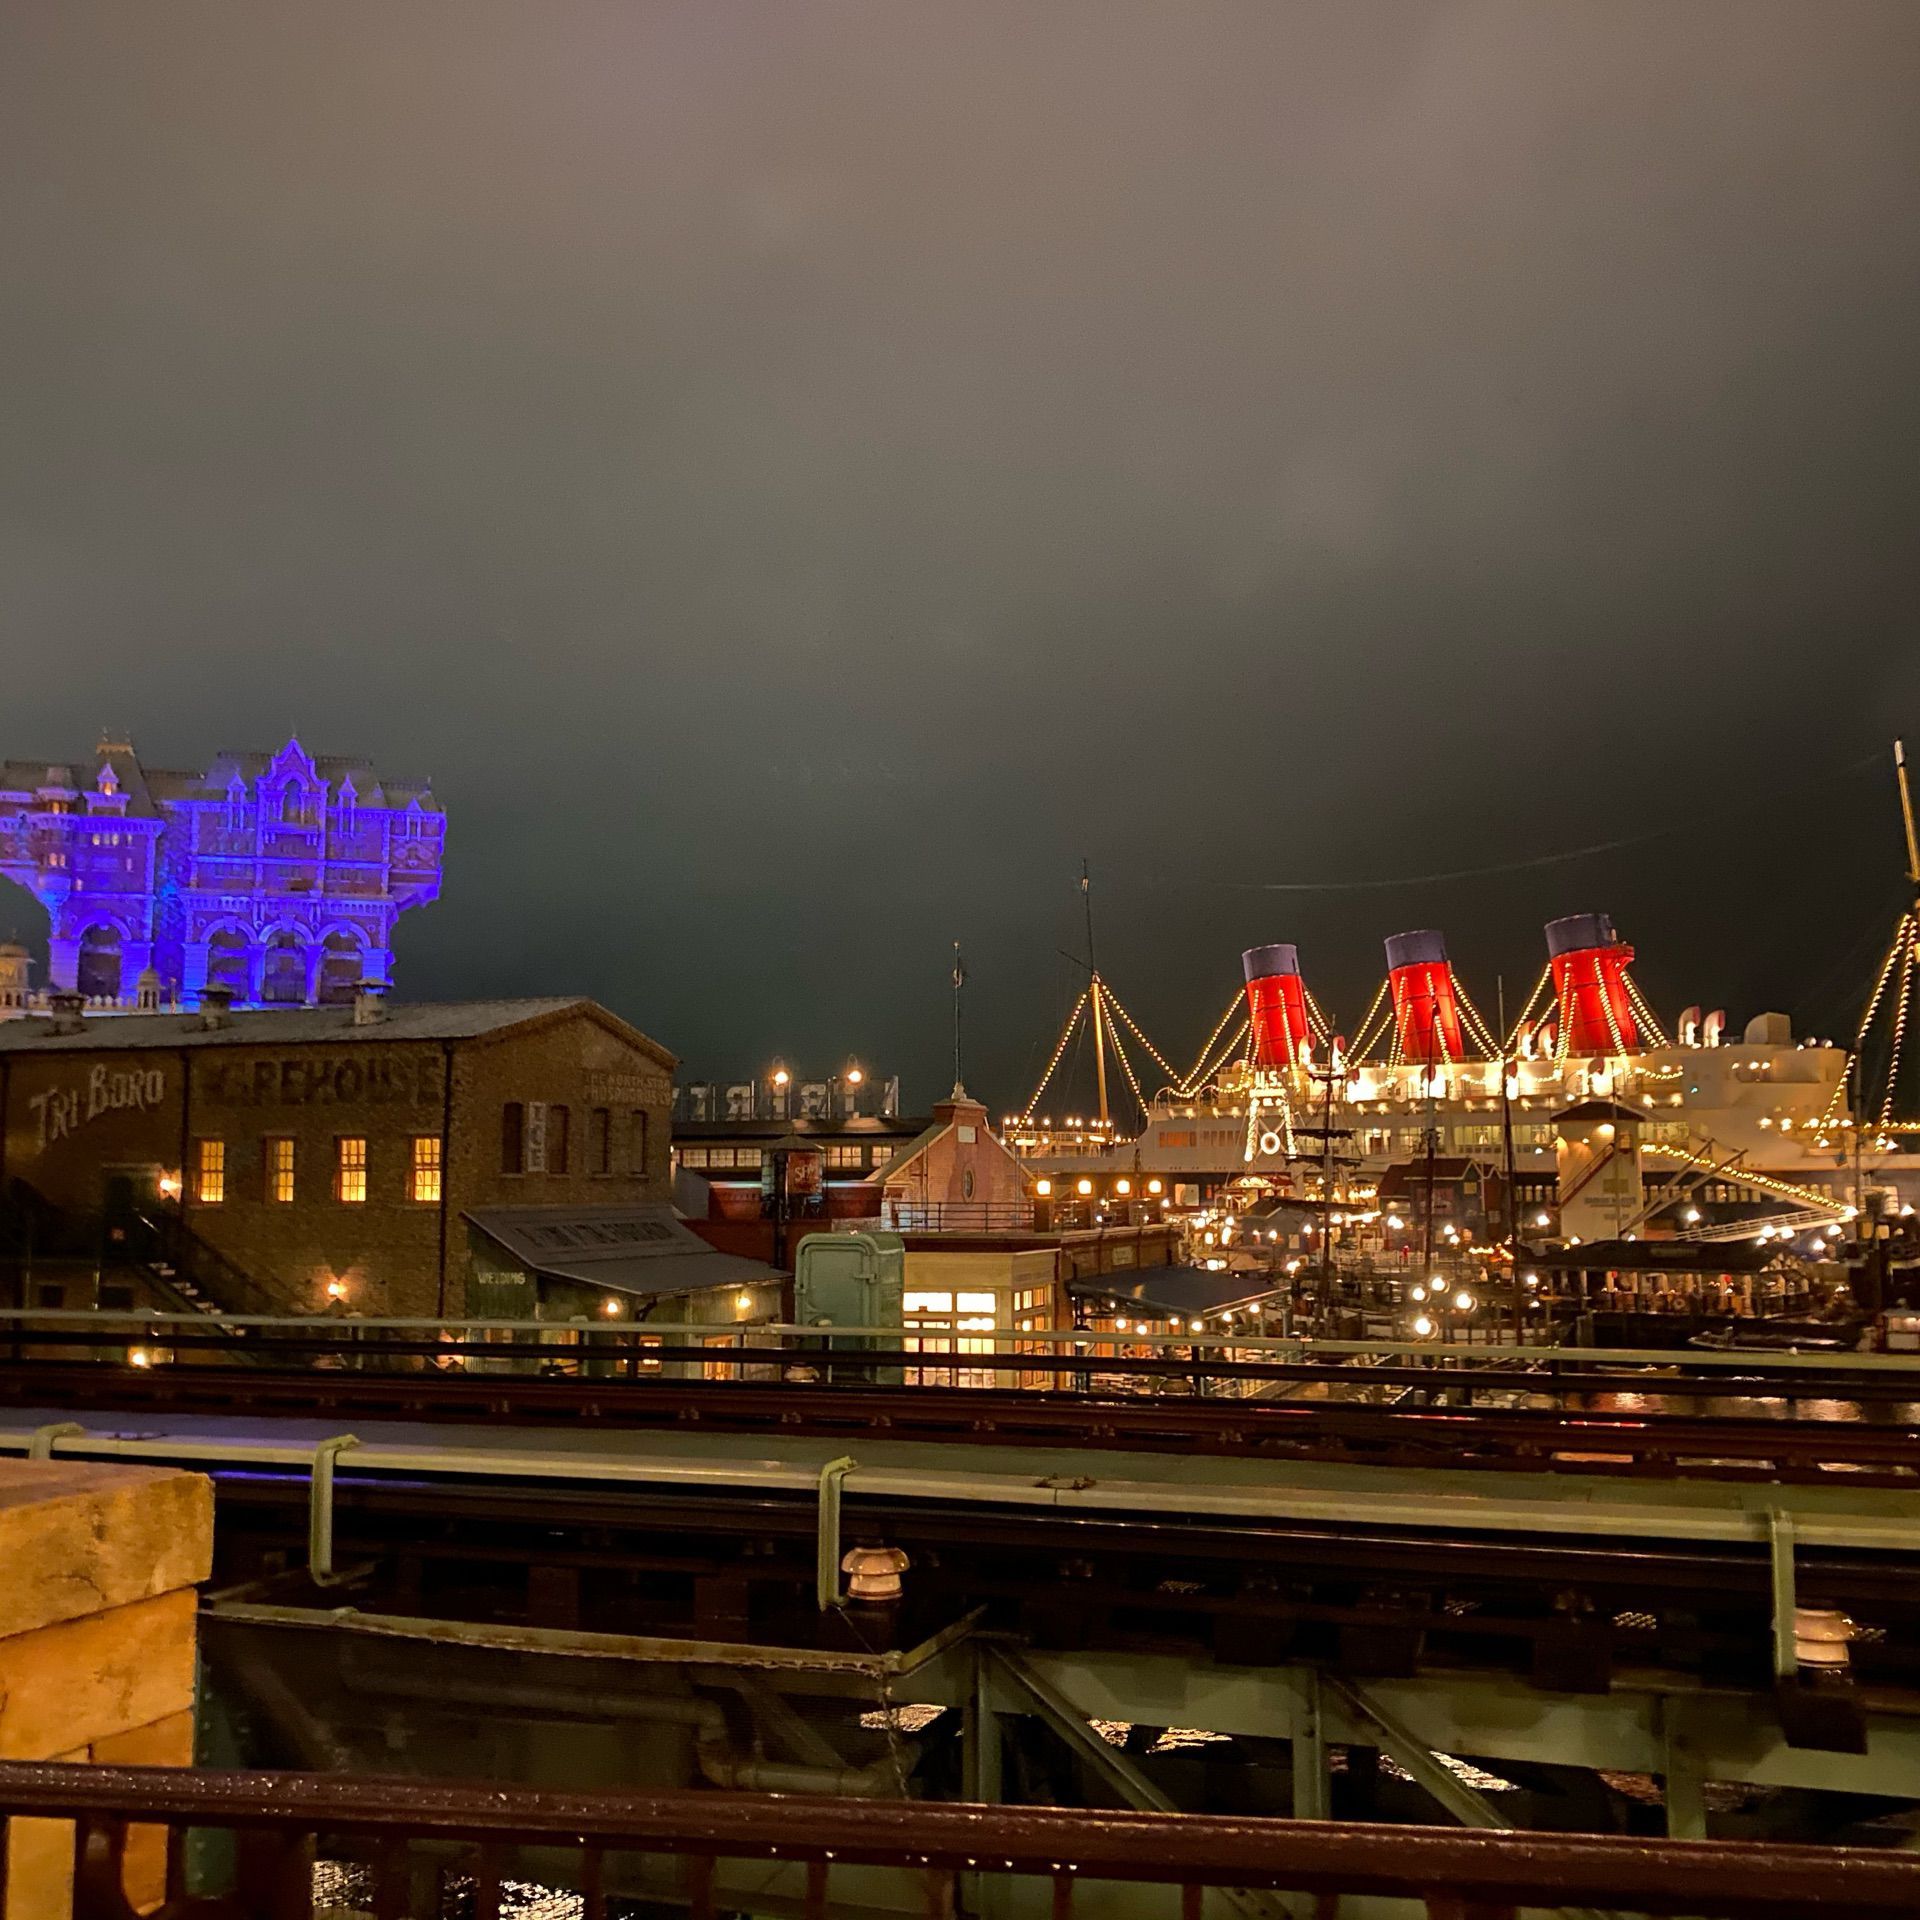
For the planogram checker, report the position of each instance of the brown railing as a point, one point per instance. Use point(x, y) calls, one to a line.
point(419, 1841)
point(959, 1216)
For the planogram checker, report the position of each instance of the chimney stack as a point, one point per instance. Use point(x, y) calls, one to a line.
point(367, 1008)
point(1590, 962)
point(1426, 1013)
point(67, 1008)
point(216, 1008)
point(1277, 1006)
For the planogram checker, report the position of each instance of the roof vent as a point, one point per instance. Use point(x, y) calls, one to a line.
point(367, 1008)
point(67, 1009)
point(216, 1008)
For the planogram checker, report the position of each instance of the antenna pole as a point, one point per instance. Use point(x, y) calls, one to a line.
point(959, 981)
point(1100, 1045)
point(1506, 1146)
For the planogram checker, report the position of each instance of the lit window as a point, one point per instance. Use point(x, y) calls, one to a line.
point(280, 1171)
point(424, 1183)
point(210, 1172)
point(350, 1169)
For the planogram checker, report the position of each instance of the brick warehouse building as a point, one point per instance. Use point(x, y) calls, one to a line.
point(330, 1154)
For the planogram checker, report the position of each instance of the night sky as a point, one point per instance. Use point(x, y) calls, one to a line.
point(800, 476)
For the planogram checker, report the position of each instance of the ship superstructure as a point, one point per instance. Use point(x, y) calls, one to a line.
point(1583, 1104)
point(1426, 1070)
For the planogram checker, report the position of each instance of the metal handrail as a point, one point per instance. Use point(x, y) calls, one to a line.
point(284, 1818)
point(1285, 1346)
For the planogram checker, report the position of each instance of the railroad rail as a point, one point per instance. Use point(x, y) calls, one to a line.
point(1569, 1439)
point(418, 1839)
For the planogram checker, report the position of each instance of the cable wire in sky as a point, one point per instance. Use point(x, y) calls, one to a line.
point(1693, 824)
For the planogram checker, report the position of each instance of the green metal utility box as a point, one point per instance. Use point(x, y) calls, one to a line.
point(852, 1280)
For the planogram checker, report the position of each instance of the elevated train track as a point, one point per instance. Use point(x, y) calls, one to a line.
point(1561, 1539)
point(1786, 1418)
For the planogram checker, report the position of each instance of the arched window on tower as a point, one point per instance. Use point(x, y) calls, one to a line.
point(227, 961)
point(342, 961)
point(99, 969)
point(283, 980)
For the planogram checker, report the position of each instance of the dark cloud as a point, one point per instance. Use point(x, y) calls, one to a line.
point(799, 477)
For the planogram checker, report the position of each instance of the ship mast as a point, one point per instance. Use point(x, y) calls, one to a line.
point(1893, 988)
point(1906, 814)
point(1097, 997)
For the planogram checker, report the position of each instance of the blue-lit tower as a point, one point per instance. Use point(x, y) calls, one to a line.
point(277, 876)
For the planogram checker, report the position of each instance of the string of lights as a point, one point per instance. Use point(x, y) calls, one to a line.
point(1477, 1029)
point(1317, 1021)
point(1737, 1175)
point(1528, 1011)
point(1195, 1078)
point(1613, 1022)
point(1215, 1062)
point(1133, 1027)
point(1120, 1054)
point(1643, 1012)
point(1365, 1036)
point(1060, 1047)
point(1899, 958)
point(1902, 1001)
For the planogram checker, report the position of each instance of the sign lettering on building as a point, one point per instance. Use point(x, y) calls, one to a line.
point(61, 1111)
point(304, 1080)
point(610, 1089)
point(534, 1158)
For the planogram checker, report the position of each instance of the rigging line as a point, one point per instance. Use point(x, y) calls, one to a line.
point(1477, 1029)
point(1206, 1052)
point(1361, 1041)
point(1215, 1060)
point(1648, 1018)
point(1210, 1062)
point(1132, 1080)
point(1317, 1021)
point(1537, 861)
point(1219, 1061)
point(1824, 995)
point(1133, 1026)
point(1060, 1047)
point(1526, 1012)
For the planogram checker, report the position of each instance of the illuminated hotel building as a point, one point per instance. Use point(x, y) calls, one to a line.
point(277, 876)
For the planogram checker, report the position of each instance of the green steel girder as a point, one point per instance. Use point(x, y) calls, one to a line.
point(1637, 1728)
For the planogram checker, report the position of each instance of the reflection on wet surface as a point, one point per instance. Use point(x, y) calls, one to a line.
point(1757, 1406)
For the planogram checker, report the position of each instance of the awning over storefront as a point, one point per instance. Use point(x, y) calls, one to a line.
point(1171, 1292)
point(633, 1250)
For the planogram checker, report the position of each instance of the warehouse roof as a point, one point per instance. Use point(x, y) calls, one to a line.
point(1173, 1291)
point(292, 1026)
point(640, 1249)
